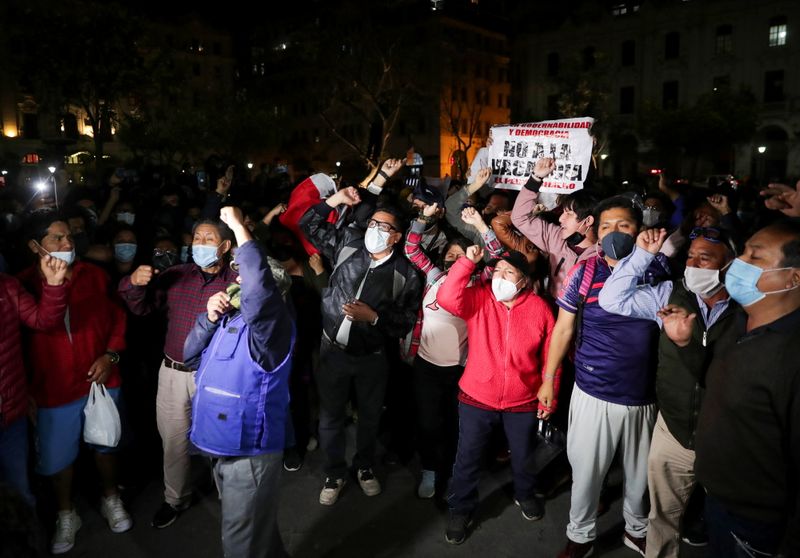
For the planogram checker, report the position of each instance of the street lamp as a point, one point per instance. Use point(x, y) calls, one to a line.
point(338, 163)
point(761, 163)
point(250, 166)
point(52, 170)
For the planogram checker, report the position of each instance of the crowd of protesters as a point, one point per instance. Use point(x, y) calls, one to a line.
point(249, 320)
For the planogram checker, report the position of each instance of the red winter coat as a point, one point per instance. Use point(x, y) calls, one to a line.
point(507, 346)
point(17, 307)
point(61, 358)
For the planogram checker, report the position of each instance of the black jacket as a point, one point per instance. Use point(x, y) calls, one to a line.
point(681, 376)
point(393, 289)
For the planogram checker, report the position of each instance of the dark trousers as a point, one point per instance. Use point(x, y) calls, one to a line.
point(731, 536)
point(436, 395)
point(368, 374)
point(474, 429)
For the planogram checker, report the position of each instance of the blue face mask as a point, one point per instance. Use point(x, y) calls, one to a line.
point(741, 282)
point(68, 257)
point(205, 256)
point(124, 252)
point(184, 254)
point(616, 245)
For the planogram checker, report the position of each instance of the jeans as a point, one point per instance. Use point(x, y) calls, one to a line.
point(732, 536)
point(14, 458)
point(474, 429)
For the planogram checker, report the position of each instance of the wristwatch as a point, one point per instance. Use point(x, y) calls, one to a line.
point(375, 321)
point(114, 356)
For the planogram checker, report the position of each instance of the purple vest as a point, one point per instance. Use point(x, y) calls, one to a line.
point(239, 409)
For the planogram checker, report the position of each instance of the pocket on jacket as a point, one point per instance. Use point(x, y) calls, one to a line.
point(218, 421)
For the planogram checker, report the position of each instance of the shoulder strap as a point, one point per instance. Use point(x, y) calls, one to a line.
point(344, 253)
point(586, 284)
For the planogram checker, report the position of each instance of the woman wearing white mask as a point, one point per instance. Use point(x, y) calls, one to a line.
point(509, 329)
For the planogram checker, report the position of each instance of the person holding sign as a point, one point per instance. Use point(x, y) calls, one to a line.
point(571, 241)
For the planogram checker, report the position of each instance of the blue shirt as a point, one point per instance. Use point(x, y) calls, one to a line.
point(615, 357)
point(621, 294)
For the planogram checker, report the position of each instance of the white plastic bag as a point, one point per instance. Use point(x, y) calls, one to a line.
point(102, 426)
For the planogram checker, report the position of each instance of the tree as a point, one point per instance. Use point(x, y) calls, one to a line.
point(709, 129)
point(364, 57)
point(80, 53)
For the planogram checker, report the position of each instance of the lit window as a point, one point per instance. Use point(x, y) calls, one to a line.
point(777, 31)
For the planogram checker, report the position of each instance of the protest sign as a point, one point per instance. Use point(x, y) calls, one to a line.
point(516, 148)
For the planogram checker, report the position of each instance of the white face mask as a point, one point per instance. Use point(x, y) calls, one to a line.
point(126, 217)
point(702, 282)
point(376, 240)
point(503, 289)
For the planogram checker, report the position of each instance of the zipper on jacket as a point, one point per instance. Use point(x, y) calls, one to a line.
point(705, 337)
point(505, 356)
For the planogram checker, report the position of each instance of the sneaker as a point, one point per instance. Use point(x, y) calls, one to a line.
point(636, 544)
point(312, 444)
point(166, 515)
point(118, 519)
point(695, 539)
point(457, 527)
point(369, 484)
point(577, 550)
point(330, 491)
point(67, 525)
point(292, 460)
point(427, 486)
point(532, 510)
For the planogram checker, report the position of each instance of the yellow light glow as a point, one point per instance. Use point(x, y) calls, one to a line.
point(9, 130)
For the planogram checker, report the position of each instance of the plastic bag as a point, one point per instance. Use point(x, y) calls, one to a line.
point(102, 426)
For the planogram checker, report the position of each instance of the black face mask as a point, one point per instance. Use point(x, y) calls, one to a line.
point(81, 241)
point(165, 260)
point(574, 239)
point(448, 265)
point(616, 245)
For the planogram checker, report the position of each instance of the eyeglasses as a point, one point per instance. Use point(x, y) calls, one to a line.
point(708, 233)
point(157, 252)
point(383, 226)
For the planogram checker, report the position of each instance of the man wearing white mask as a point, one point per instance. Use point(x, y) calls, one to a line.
point(509, 328)
point(680, 378)
point(373, 296)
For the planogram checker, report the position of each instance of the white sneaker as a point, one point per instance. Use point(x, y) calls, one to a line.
point(427, 486)
point(118, 519)
point(67, 525)
point(330, 491)
point(369, 484)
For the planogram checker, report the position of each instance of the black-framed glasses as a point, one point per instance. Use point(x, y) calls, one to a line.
point(157, 252)
point(708, 233)
point(382, 226)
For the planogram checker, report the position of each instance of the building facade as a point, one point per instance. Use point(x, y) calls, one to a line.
point(669, 53)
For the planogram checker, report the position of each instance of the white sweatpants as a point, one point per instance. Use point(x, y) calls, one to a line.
point(596, 429)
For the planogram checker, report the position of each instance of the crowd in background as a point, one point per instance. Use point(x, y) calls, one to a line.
point(654, 324)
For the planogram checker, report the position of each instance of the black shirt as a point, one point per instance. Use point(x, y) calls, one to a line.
point(748, 437)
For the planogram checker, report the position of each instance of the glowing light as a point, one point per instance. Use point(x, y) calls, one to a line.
point(762, 148)
point(604, 156)
point(338, 163)
point(41, 186)
point(51, 169)
point(249, 165)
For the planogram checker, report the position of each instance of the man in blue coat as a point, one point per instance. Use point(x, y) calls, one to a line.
point(243, 345)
